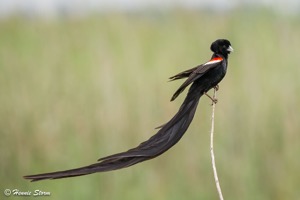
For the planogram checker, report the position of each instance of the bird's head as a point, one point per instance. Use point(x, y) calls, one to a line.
point(221, 46)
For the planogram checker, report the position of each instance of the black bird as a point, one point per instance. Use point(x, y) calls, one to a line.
point(204, 77)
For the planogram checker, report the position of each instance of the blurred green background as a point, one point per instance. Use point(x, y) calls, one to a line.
point(75, 90)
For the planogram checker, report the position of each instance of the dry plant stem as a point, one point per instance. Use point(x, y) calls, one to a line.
point(212, 147)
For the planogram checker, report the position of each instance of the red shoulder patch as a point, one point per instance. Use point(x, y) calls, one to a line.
point(217, 58)
point(214, 60)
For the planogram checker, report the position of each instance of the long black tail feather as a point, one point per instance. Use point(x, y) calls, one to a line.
point(167, 136)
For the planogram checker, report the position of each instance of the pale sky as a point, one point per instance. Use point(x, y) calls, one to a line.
point(53, 7)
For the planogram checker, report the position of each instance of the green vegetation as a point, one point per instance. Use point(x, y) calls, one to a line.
point(73, 91)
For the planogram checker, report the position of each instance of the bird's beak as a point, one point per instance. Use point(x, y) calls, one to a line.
point(230, 49)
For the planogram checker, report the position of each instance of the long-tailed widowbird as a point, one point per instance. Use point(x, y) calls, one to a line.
point(203, 78)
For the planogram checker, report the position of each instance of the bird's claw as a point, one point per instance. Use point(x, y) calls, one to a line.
point(214, 100)
point(216, 87)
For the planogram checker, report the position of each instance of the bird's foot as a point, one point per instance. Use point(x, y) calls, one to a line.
point(214, 100)
point(216, 87)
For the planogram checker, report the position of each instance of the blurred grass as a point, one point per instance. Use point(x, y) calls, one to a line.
point(73, 91)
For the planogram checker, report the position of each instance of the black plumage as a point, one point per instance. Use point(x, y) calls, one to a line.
point(203, 78)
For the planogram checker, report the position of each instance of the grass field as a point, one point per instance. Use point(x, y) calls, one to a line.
point(73, 91)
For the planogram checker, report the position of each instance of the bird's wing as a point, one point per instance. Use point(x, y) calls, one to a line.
point(183, 74)
point(194, 74)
